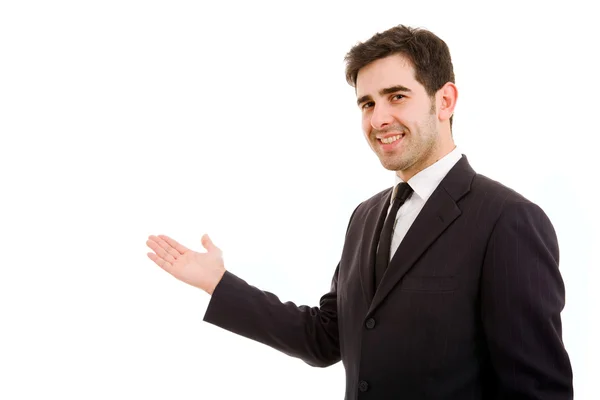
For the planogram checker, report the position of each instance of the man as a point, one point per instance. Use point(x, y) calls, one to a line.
point(448, 286)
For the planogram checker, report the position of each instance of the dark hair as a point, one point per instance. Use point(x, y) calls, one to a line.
point(428, 54)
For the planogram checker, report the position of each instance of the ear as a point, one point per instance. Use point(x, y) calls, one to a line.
point(446, 98)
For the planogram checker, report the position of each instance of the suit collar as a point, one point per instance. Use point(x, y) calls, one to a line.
point(427, 180)
point(439, 212)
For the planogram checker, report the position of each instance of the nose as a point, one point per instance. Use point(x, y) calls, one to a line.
point(381, 117)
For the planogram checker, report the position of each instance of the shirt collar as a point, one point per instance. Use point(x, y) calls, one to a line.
point(427, 180)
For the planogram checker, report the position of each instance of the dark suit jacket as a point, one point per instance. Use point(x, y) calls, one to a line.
point(469, 307)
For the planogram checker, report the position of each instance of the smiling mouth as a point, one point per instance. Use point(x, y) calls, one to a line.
point(391, 139)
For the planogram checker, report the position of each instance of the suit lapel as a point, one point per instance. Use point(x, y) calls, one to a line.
point(374, 224)
point(439, 212)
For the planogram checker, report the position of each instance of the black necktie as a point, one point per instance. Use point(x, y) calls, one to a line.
point(382, 259)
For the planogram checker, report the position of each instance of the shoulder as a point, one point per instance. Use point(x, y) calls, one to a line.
point(377, 200)
point(498, 194)
point(509, 207)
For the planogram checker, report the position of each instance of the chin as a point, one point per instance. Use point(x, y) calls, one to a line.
point(396, 164)
point(393, 166)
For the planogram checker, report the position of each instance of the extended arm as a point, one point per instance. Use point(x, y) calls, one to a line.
point(310, 334)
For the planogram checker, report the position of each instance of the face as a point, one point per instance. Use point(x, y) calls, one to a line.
point(398, 117)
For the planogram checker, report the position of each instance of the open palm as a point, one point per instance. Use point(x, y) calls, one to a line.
point(202, 270)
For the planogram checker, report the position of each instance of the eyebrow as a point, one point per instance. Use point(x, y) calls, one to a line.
point(382, 92)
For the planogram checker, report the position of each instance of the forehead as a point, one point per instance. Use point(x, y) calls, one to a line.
point(386, 72)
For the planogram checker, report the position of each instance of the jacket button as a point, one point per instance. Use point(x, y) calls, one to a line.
point(370, 323)
point(363, 386)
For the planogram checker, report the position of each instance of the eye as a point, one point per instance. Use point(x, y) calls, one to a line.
point(367, 105)
point(397, 97)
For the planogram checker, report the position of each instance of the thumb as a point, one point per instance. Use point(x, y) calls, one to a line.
point(208, 244)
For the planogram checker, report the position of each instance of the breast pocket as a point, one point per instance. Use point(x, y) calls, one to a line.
point(428, 283)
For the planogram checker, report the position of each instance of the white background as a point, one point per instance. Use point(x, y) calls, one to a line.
point(121, 119)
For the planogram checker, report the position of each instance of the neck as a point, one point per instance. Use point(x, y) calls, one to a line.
point(420, 165)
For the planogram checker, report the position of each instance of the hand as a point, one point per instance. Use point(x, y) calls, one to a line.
point(202, 270)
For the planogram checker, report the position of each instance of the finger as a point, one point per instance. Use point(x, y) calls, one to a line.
point(168, 248)
point(167, 266)
point(208, 243)
point(173, 243)
point(160, 251)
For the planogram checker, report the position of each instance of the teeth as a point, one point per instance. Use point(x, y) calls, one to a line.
point(391, 139)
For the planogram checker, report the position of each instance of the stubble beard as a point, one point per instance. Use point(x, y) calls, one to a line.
point(415, 149)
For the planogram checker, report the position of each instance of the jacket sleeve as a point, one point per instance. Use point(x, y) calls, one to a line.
point(308, 333)
point(522, 295)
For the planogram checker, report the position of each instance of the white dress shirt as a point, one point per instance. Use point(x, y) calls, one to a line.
point(423, 185)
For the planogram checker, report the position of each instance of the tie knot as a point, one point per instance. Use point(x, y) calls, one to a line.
point(403, 191)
